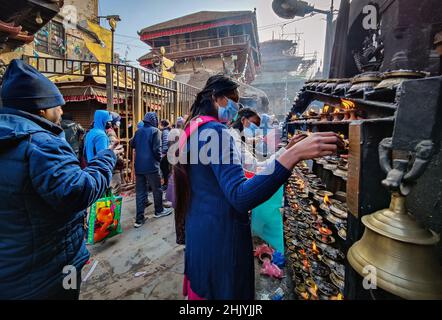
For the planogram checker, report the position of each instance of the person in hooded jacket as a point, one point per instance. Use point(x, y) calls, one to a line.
point(147, 146)
point(112, 134)
point(96, 139)
point(44, 191)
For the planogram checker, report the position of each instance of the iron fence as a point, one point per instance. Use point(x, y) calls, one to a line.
point(130, 91)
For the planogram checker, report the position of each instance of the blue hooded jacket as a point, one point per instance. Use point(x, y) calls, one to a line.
point(147, 145)
point(44, 194)
point(97, 140)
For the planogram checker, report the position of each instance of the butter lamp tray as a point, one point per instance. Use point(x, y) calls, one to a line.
point(339, 210)
point(342, 233)
point(337, 281)
point(328, 289)
point(325, 239)
point(333, 219)
point(333, 254)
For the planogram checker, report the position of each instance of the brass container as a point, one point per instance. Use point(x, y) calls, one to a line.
point(330, 86)
point(321, 85)
point(337, 116)
point(324, 117)
point(312, 85)
point(353, 116)
point(394, 78)
point(364, 82)
point(342, 86)
point(402, 252)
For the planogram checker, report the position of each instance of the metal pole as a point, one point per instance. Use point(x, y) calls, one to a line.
point(286, 97)
point(112, 49)
point(328, 42)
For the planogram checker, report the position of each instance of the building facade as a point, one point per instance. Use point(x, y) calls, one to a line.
point(206, 42)
point(55, 39)
point(283, 73)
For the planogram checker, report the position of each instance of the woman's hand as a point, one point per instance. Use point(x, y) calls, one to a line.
point(314, 146)
point(297, 138)
point(317, 145)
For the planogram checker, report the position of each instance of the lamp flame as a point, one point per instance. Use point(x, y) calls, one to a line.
point(327, 201)
point(347, 104)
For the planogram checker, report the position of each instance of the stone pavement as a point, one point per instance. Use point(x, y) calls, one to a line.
point(147, 264)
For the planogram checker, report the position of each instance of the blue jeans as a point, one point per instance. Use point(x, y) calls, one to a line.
point(143, 181)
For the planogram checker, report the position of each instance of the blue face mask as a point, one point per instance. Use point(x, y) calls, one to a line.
point(251, 130)
point(229, 112)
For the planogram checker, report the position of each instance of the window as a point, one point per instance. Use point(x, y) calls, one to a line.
point(223, 32)
point(51, 39)
point(236, 30)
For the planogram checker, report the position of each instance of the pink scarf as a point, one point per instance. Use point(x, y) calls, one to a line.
point(192, 127)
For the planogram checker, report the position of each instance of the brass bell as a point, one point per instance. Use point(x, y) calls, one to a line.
point(402, 252)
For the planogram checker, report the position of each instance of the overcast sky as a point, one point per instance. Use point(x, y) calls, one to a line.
point(137, 14)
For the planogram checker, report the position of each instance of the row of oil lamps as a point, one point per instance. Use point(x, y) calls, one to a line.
point(346, 111)
point(317, 264)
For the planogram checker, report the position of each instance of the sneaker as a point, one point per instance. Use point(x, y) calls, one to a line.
point(167, 204)
point(165, 212)
point(138, 224)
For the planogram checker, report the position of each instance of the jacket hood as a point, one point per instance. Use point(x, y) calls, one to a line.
point(151, 119)
point(17, 125)
point(101, 117)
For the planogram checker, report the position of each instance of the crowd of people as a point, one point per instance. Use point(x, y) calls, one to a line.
point(53, 170)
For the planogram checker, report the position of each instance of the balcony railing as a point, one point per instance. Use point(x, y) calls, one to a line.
point(208, 44)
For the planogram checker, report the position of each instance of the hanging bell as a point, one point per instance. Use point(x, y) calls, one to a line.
point(402, 253)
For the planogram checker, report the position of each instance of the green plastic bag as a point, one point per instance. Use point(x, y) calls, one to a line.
point(105, 219)
point(267, 221)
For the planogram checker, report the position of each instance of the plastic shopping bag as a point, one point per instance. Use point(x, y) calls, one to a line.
point(105, 219)
point(267, 221)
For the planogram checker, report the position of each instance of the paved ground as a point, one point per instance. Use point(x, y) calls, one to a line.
point(143, 263)
point(147, 264)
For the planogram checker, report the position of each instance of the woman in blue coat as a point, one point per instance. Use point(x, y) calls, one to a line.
point(214, 197)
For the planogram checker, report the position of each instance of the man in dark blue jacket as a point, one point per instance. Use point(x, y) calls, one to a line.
point(44, 192)
point(147, 146)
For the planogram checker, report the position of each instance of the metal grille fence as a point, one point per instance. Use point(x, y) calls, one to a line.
point(130, 91)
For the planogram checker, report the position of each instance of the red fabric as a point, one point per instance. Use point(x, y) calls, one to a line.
point(249, 175)
point(100, 99)
point(187, 291)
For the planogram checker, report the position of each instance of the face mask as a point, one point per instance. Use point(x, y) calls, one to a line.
point(229, 112)
point(251, 130)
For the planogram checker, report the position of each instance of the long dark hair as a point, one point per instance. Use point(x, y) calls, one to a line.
point(243, 113)
point(216, 87)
